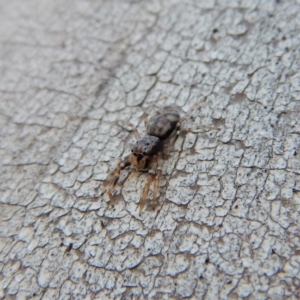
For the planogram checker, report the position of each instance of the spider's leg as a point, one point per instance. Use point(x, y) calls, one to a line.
point(197, 129)
point(189, 112)
point(154, 174)
point(145, 119)
point(113, 178)
point(173, 137)
point(169, 143)
point(158, 166)
point(150, 179)
point(156, 183)
point(111, 181)
point(132, 128)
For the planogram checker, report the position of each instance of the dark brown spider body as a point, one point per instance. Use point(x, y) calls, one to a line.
point(162, 127)
point(161, 124)
point(146, 154)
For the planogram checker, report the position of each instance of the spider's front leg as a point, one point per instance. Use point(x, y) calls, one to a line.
point(113, 178)
point(150, 179)
point(154, 175)
point(156, 183)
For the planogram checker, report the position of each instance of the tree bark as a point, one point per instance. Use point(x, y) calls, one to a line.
point(227, 222)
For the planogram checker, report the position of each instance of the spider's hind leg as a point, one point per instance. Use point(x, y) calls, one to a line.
point(196, 129)
point(191, 110)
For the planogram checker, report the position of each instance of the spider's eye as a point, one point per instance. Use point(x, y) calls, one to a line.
point(134, 153)
point(147, 144)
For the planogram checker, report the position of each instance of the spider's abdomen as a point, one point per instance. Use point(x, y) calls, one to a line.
point(164, 122)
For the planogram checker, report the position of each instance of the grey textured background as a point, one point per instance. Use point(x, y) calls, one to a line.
point(227, 224)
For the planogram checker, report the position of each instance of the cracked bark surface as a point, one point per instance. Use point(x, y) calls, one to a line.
point(227, 224)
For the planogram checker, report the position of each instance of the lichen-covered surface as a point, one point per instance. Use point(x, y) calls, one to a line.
point(227, 223)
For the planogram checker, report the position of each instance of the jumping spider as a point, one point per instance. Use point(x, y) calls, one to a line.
point(162, 128)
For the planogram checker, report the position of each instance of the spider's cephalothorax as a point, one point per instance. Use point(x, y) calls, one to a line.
point(162, 127)
point(148, 145)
